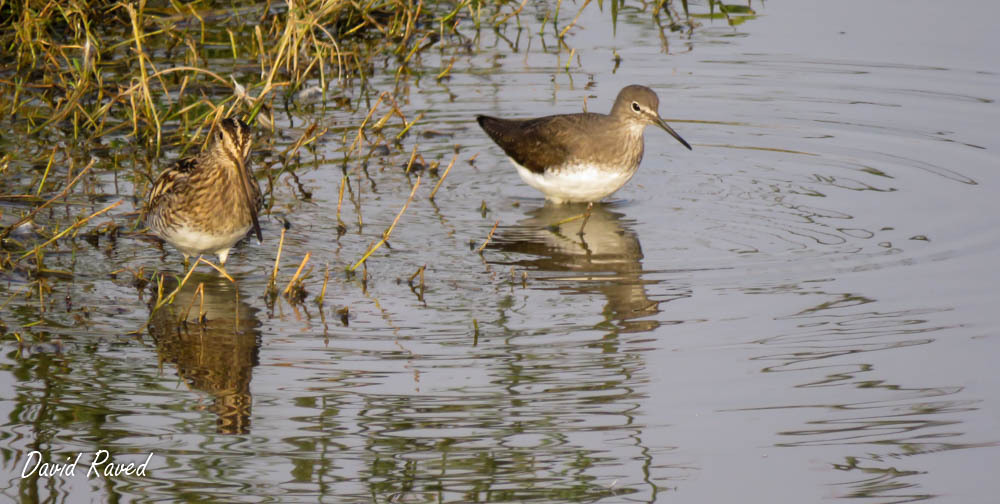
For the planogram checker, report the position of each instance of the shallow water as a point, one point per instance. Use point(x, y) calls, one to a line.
point(800, 309)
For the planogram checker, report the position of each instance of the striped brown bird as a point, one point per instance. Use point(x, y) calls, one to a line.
point(205, 204)
point(580, 157)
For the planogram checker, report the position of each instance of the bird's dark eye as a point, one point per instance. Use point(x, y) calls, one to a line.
point(220, 135)
point(635, 106)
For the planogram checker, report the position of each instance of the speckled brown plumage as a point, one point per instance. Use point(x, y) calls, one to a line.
point(208, 203)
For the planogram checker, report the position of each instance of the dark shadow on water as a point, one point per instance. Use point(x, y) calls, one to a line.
point(604, 258)
point(216, 354)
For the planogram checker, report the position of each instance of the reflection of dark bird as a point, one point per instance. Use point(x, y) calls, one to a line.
point(204, 205)
point(580, 157)
point(217, 355)
point(607, 258)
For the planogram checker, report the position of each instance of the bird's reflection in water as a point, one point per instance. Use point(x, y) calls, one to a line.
point(605, 258)
point(215, 354)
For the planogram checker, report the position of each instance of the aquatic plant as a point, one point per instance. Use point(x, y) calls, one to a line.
point(96, 94)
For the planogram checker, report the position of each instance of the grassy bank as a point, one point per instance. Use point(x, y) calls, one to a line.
point(96, 96)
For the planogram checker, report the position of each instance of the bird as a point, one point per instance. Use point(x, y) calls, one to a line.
point(581, 157)
point(206, 204)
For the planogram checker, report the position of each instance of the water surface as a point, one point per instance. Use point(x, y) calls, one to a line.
point(800, 309)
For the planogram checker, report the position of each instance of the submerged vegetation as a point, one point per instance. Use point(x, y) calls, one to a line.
point(96, 96)
point(160, 72)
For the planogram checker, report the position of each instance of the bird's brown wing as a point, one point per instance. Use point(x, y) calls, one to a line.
point(535, 144)
point(169, 183)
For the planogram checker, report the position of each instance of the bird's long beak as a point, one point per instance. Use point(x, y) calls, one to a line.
point(245, 188)
point(663, 124)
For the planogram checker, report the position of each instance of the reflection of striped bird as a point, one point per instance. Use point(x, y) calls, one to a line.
point(208, 203)
point(213, 337)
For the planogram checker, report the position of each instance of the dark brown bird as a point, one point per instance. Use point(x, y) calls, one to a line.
point(580, 157)
point(205, 204)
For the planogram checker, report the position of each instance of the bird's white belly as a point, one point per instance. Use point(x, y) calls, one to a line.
point(575, 183)
point(193, 242)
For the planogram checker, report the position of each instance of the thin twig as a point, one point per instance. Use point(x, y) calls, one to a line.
point(445, 174)
point(340, 199)
point(413, 156)
point(67, 230)
point(510, 15)
point(170, 297)
point(409, 125)
point(575, 19)
point(488, 237)
point(216, 268)
point(388, 231)
point(322, 292)
point(274, 272)
point(62, 193)
point(420, 272)
point(184, 316)
point(586, 217)
point(295, 277)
